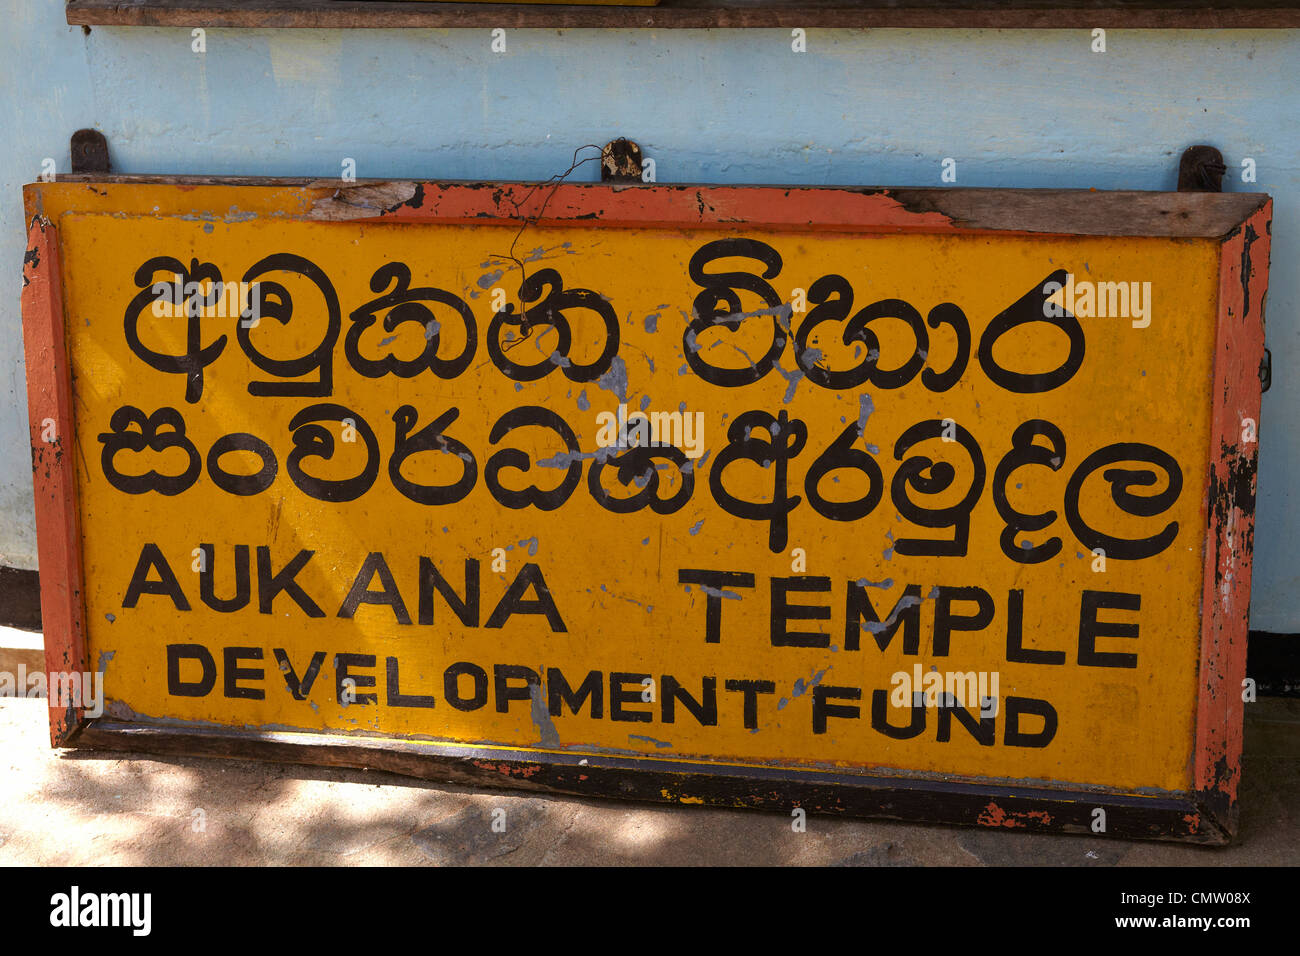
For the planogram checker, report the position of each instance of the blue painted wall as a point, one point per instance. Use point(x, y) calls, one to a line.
point(1014, 108)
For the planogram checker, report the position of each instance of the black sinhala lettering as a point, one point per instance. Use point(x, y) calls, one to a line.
point(311, 439)
point(430, 438)
point(786, 439)
point(841, 454)
point(132, 431)
point(947, 313)
point(1024, 452)
point(546, 288)
point(543, 499)
point(719, 306)
point(929, 477)
point(1033, 307)
point(193, 290)
point(275, 301)
point(1121, 480)
point(243, 485)
point(407, 306)
point(637, 466)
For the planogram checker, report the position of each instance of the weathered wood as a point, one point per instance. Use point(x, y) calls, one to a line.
point(1025, 211)
point(362, 201)
point(52, 434)
point(20, 598)
point(693, 14)
point(1230, 502)
point(1204, 811)
point(914, 798)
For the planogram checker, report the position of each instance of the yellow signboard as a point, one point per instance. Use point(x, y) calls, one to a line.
point(886, 500)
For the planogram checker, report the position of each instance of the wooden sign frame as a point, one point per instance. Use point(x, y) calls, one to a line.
point(1238, 223)
point(696, 14)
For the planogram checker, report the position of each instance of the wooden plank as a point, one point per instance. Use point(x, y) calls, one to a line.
point(692, 14)
point(20, 598)
point(911, 799)
point(21, 650)
point(1019, 211)
point(1230, 500)
point(50, 417)
point(1022, 211)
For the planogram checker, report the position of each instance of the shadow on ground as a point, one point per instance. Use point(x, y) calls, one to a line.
point(78, 808)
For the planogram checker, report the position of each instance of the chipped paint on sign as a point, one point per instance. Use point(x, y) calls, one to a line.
point(362, 498)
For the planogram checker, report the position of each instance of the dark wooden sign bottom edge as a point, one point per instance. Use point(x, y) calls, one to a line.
point(1183, 817)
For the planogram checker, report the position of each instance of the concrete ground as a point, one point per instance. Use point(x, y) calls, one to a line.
point(73, 809)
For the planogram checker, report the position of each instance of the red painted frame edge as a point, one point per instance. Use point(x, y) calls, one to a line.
point(51, 431)
point(861, 209)
point(1230, 502)
point(676, 206)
